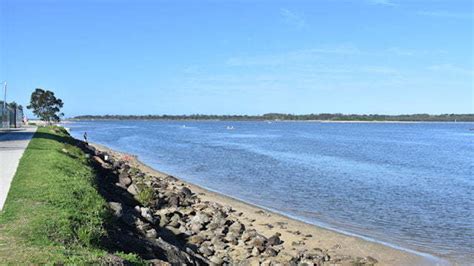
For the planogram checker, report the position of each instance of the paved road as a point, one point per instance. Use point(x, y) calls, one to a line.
point(12, 146)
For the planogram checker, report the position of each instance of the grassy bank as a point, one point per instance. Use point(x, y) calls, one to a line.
point(53, 212)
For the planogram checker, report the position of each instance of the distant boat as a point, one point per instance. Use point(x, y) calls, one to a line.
point(230, 127)
point(184, 126)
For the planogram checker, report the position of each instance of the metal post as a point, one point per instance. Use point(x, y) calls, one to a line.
point(5, 95)
point(5, 111)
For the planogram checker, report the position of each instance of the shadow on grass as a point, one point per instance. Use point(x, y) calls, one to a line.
point(60, 138)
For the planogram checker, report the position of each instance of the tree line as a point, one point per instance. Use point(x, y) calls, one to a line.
point(289, 117)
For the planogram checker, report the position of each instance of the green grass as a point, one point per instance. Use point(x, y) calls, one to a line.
point(53, 213)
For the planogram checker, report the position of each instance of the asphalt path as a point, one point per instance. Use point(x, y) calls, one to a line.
point(13, 143)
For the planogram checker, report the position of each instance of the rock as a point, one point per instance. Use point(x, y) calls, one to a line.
point(174, 221)
point(116, 165)
point(237, 227)
point(215, 240)
point(173, 200)
point(231, 237)
point(274, 240)
point(133, 189)
point(101, 162)
point(253, 261)
point(220, 231)
point(146, 214)
point(124, 179)
point(270, 252)
point(116, 207)
point(216, 260)
point(297, 243)
point(248, 234)
point(195, 227)
point(142, 226)
point(171, 178)
point(218, 244)
point(200, 218)
point(317, 253)
point(153, 262)
point(219, 219)
point(268, 225)
point(255, 252)
point(186, 191)
point(305, 262)
point(183, 229)
point(196, 239)
point(259, 242)
point(326, 258)
point(164, 220)
point(227, 209)
point(204, 250)
point(212, 226)
point(151, 233)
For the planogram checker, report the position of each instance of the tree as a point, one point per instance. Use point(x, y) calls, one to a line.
point(46, 106)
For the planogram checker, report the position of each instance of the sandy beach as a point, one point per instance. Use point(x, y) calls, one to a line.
point(297, 236)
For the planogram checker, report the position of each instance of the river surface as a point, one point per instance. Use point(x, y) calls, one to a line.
point(406, 184)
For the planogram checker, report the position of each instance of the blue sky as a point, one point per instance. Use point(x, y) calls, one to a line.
point(241, 57)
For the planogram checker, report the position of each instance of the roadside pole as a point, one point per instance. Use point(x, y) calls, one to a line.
point(5, 122)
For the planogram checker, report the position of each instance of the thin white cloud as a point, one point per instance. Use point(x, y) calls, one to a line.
point(450, 68)
point(303, 55)
point(382, 2)
point(292, 18)
point(401, 52)
point(446, 14)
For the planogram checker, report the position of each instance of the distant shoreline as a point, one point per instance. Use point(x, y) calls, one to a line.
point(274, 117)
point(275, 121)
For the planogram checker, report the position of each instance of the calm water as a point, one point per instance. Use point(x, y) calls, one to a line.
point(406, 184)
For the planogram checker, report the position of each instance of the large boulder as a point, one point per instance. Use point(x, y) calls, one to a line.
point(274, 240)
point(249, 234)
point(196, 239)
point(133, 189)
point(174, 200)
point(206, 251)
point(200, 218)
point(147, 215)
point(124, 179)
point(116, 208)
point(258, 242)
point(186, 191)
point(237, 227)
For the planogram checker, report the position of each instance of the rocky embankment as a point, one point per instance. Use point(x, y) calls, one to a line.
point(162, 220)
